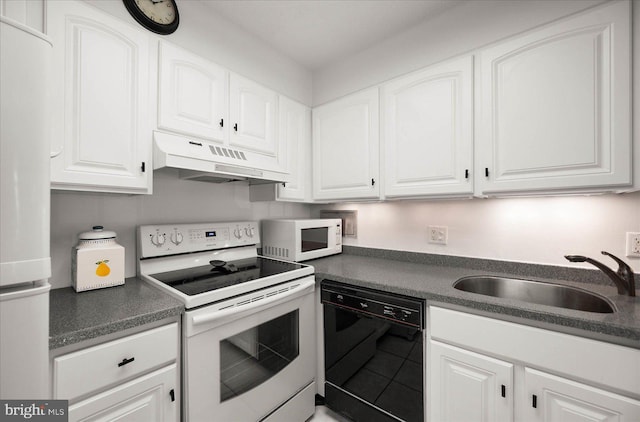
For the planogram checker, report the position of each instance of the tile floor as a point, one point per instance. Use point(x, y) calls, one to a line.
point(324, 414)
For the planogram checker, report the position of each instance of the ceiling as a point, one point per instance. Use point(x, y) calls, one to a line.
point(315, 33)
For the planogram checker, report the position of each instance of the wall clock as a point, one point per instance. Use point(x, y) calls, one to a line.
point(159, 16)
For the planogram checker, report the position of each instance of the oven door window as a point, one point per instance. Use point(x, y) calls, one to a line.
point(314, 239)
point(253, 356)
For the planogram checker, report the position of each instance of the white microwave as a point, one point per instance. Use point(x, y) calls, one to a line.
point(301, 239)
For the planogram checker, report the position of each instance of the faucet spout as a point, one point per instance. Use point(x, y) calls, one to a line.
point(623, 278)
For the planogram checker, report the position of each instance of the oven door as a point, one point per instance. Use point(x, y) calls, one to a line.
point(243, 362)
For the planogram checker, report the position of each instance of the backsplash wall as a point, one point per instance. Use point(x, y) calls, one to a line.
point(173, 201)
point(532, 230)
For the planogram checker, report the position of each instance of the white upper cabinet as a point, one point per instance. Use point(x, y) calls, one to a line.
point(193, 94)
point(427, 120)
point(295, 132)
point(202, 99)
point(101, 138)
point(253, 117)
point(554, 107)
point(345, 148)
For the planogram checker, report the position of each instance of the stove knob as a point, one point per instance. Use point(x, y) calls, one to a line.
point(250, 231)
point(237, 233)
point(158, 239)
point(176, 238)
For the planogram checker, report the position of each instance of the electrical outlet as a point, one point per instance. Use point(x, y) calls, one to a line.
point(437, 234)
point(633, 244)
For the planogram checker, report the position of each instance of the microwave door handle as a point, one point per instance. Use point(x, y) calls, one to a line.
point(305, 286)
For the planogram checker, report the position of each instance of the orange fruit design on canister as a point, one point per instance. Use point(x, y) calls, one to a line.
point(103, 269)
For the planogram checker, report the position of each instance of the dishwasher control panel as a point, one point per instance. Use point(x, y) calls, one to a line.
point(399, 309)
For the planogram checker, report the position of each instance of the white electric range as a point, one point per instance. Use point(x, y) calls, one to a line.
point(249, 327)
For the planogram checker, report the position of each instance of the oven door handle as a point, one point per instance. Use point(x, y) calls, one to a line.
point(306, 286)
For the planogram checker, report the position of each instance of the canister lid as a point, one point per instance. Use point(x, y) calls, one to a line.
point(97, 233)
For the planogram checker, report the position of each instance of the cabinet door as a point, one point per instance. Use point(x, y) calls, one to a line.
point(551, 398)
point(467, 386)
point(152, 397)
point(101, 89)
point(253, 117)
point(193, 94)
point(345, 148)
point(555, 107)
point(295, 133)
point(428, 131)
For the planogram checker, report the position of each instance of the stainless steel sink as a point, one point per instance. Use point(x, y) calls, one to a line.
point(536, 292)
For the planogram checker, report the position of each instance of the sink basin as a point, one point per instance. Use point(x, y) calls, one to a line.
point(536, 292)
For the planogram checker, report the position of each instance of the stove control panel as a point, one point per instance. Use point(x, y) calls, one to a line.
point(170, 239)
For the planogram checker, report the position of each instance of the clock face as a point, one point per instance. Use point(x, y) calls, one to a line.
point(160, 16)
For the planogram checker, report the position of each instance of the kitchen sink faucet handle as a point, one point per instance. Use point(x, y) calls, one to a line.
point(623, 279)
point(625, 272)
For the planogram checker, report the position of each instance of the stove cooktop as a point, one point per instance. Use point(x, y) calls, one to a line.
point(205, 278)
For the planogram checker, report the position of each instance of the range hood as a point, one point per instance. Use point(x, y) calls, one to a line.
point(209, 162)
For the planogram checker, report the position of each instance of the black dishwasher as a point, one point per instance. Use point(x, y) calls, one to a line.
point(374, 360)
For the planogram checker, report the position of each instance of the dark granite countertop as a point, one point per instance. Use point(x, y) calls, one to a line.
point(431, 277)
point(75, 317)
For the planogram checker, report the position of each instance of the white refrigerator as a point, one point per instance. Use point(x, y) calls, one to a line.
point(25, 263)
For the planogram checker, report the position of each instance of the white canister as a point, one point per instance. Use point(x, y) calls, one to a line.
point(97, 260)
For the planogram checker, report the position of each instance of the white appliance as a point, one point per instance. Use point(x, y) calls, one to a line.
point(301, 239)
point(249, 343)
point(25, 263)
point(209, 162)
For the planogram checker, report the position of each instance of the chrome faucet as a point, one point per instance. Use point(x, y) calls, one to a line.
point(623, 278)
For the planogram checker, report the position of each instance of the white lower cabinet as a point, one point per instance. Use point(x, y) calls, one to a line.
point(134, 378)
point(147, 398)
point(556, 399)
point(485, 369)
point(484, 384)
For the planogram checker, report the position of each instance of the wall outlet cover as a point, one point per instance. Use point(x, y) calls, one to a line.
point(437, 234)
point(349, 220)
point(633, 244)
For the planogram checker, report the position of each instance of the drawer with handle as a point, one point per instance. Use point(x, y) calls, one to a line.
point(85, 371)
